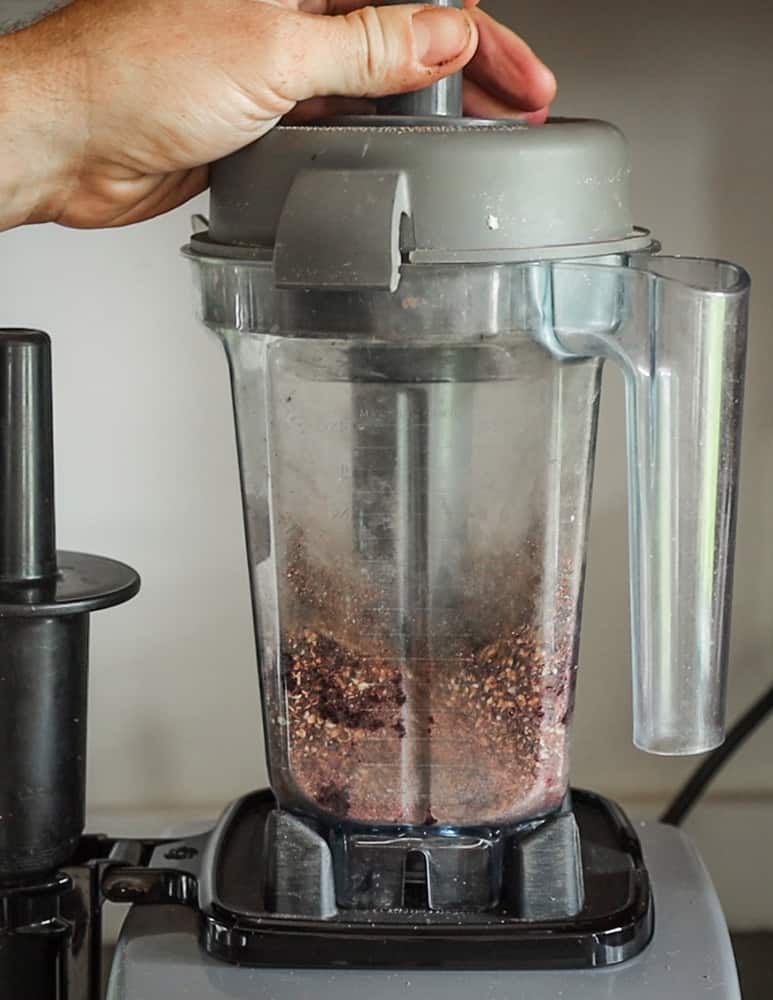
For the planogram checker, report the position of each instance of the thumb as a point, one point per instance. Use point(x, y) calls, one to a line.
point(377, 51)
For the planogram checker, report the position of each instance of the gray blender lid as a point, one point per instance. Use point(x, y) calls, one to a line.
point(343, 205)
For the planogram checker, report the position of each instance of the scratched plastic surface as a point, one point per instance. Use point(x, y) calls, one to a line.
point(419, 563)
point(429, 569)
point(416, 470)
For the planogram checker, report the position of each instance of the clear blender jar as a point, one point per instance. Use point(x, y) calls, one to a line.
point(415, 326)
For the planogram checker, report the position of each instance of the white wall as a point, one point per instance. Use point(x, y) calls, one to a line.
point(146, 467)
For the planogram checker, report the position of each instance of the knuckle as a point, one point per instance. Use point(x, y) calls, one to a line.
point(372, 48)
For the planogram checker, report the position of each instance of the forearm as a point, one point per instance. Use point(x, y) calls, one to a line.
point(39, 131)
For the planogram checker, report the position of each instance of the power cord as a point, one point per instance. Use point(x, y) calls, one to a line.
point(704, 774)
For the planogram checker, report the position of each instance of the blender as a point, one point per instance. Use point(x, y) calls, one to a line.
point(415, 309)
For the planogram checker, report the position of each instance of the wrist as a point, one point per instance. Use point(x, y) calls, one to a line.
point(41, 131)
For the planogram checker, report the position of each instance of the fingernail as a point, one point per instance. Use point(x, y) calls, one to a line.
point(441, 34)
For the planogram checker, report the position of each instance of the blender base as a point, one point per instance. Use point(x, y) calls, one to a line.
point(689, 956)
point(239, 869)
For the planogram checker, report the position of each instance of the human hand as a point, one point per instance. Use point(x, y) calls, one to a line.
point(112, 109)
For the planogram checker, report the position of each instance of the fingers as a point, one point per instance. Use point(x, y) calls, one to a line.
point(371, 52)
point(479, 103)
point(507, 70)
point(504, 78)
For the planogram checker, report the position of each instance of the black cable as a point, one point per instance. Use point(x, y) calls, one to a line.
point(703, 775)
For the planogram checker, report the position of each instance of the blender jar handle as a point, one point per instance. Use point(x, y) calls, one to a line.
point(677, 329)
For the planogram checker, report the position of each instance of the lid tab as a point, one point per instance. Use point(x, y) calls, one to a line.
point(341, 230)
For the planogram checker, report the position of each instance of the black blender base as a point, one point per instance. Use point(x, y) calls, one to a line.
point(614, 924)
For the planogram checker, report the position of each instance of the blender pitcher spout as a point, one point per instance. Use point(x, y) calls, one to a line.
point(677, 329)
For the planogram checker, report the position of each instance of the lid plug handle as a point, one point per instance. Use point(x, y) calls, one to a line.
point(443, 99)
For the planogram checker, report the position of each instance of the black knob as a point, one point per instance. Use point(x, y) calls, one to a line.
point(27, 530)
